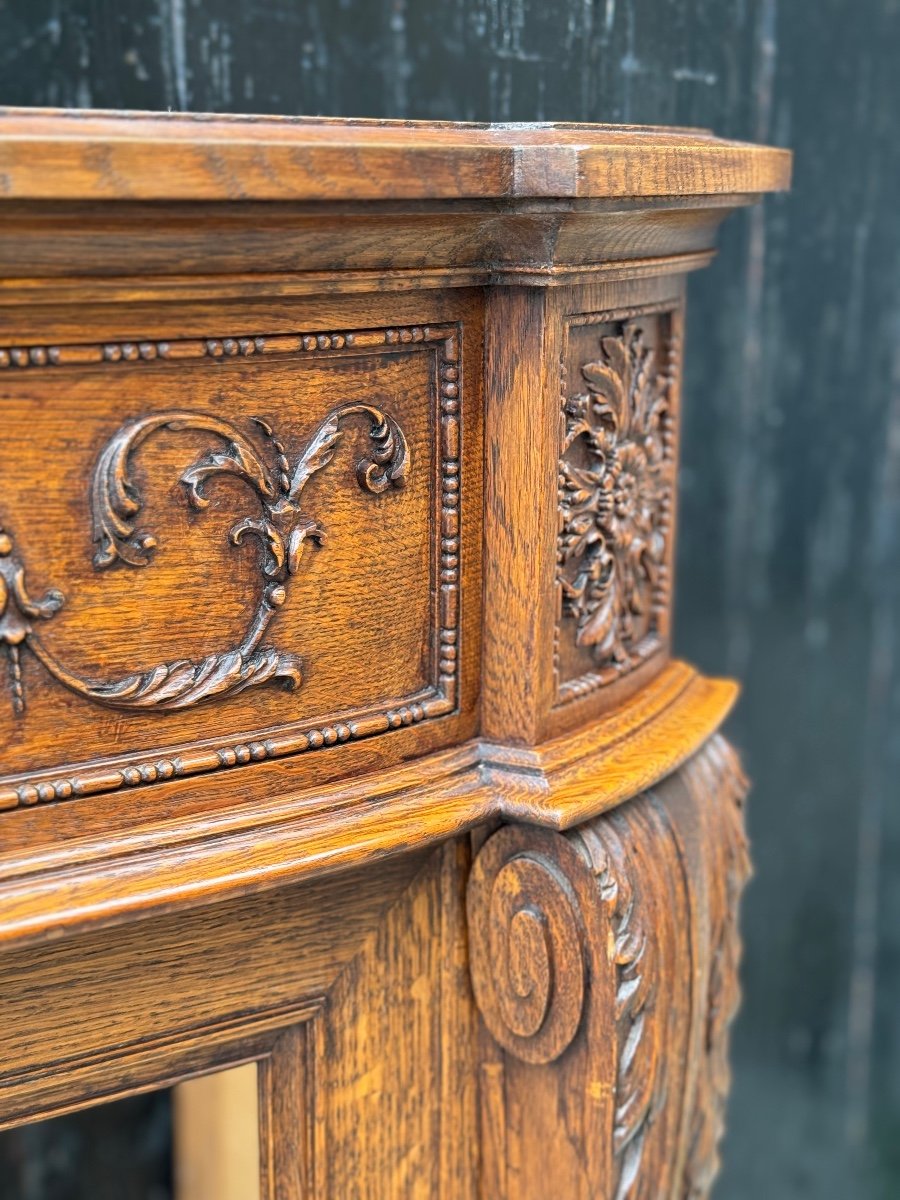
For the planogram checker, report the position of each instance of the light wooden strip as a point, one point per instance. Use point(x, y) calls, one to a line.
point(216, 1136)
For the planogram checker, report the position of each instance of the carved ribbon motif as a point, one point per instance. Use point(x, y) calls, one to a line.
point(615, 499)
point(279, 524)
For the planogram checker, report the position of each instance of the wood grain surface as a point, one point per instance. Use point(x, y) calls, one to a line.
point(607, 953)
point(322, 580)
point(70, 155)
point(258, 568)
point(788, 554)
point(62, 872)
point(575, 946)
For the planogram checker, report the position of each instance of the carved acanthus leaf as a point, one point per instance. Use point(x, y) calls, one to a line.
point(279, 524)
point(180, 684)
point(616, 482)
point(640, 1082)
point(115, 502)
point(716, 773)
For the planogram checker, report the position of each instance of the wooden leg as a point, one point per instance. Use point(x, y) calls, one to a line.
point(604, 963)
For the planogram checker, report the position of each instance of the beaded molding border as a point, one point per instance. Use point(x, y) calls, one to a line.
point(439, 699)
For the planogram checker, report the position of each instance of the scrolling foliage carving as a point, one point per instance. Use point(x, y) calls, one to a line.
point(279, 524)
point(616, 488)
point(640, 1074)
point(18, 611)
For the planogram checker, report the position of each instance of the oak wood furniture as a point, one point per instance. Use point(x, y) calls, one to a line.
point(340, 731)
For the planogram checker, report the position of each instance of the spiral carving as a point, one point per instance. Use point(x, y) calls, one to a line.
point(527, 943)
point(610, 952)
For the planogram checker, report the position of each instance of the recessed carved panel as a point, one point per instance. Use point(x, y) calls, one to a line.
point(616, 495)
point(209, 519)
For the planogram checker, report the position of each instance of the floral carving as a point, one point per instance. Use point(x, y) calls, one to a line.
point(279, 524)
point(616, 483)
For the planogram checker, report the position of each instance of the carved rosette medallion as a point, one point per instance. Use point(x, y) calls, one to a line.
point(616, 495)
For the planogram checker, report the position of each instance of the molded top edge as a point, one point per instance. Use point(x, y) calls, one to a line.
point(59, 154)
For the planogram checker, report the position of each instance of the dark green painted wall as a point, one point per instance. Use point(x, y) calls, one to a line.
point(789, 564)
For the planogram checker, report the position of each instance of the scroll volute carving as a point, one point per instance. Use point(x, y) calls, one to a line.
point(566, 970)
point(604, 963)
point(528, 942)
point(276, 520)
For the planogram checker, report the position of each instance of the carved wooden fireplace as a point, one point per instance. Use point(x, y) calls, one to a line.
point(340, 729)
